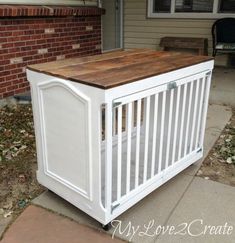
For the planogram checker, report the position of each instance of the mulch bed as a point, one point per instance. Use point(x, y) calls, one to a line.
point(18, 184)
point(220, 163)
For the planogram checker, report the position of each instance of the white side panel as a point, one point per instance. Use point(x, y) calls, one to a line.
point(65, 121)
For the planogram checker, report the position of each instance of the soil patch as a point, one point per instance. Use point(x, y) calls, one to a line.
point(220, 163)
point(18, 164)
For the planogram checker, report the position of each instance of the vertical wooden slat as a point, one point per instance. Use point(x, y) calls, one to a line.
point(147, 113)
point(200, 111)
point(162, 132)
point(188, 117)
point(176, 123)
point(194, 116)
point(129, 132)
point(182, 120)
point(155, 116)
point(119, 153)
point(169, 127)
point(125, 117)
point(137, 156)
point(108, 156)
point(133, 113)
point(114, 122)
point(205, 108)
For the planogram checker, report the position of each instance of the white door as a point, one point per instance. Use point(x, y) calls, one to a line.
point(112, 25)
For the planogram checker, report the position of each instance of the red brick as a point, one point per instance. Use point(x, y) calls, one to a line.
point(3, 90)
point(24, 37)
point(6, 94)
point(13, 87)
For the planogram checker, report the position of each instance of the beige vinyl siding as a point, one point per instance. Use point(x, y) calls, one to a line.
point(141, 32)
point(52, 2)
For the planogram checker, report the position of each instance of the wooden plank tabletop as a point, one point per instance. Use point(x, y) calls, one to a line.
point(117, 68)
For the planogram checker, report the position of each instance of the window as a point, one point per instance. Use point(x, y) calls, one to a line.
point(227, 6)
point(191, 8)
point(162, 6)
point(194, 6)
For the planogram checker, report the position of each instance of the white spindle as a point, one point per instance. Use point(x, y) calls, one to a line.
point(119, 153)
point(137, 157)
point(194, 116)
point(169, 127)
point(129, 133)
point(176, 123)
point(155, 116)
point(200, 111)
point(188, 118)
point(147, 113)
point(206, 98)
point(182, 121)
point(162, 132)
point(108, 155)
point(178, 119)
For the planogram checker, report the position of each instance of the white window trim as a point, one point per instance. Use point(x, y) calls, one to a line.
point(51, 2)
point(172, 14)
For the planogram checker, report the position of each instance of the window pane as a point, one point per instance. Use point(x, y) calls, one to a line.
point(227, 6)
point(198, 6)
point(162, 6)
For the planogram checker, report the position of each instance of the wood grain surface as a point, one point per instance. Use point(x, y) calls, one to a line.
point(119, 67)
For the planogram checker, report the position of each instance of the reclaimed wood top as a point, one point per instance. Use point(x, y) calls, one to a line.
point(119, 67)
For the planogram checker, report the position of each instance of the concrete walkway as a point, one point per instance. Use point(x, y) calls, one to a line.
point(223, 86)
point(185, 201)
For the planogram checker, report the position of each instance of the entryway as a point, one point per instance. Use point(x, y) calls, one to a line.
point(112, 25)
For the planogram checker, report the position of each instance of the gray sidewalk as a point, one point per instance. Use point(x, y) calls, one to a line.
point(223, 86)
point(181, 200)
point(205, 203)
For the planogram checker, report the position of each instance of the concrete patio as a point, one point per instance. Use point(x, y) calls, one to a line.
point(184, 199)
point(223, 86)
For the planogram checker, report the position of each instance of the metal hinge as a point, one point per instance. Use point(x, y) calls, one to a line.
point(199, 150)
point(208, 73)
point(115, 104)
point(114, 207)
point(171, 85)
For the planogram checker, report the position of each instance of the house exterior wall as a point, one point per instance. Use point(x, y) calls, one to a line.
point(52, 2)
point(143, 32)
point(30, 35)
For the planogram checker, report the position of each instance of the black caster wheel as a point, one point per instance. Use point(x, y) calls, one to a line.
point(106, 227)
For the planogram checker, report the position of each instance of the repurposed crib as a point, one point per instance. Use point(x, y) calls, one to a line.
point(112, 128)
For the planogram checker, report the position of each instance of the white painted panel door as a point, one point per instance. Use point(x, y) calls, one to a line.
point(66, 133)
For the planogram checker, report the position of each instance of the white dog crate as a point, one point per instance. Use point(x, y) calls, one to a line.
point(112, 128)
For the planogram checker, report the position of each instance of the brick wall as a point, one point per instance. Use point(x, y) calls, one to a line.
point(30, 35)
